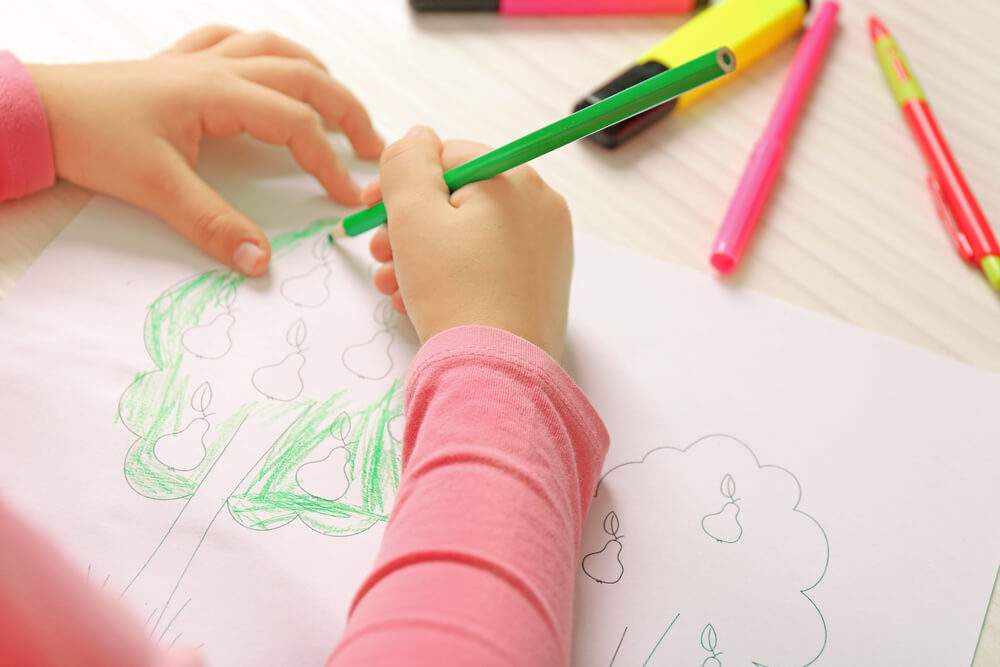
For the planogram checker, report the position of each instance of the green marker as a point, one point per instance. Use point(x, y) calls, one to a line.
point(629, 102)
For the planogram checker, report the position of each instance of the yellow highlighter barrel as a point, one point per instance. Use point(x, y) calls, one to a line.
point(750, 28)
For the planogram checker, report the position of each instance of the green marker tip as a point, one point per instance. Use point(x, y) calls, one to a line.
point(337, 232)
point(991, 267)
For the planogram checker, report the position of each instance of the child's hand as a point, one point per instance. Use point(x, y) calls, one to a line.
point(132, 129)
point(497, 252)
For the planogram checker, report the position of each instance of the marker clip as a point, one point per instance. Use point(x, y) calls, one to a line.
point(958, 239)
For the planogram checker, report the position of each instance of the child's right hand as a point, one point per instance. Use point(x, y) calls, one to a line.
point(497, 253)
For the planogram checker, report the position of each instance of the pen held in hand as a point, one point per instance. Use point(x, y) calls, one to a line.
point(629, 102)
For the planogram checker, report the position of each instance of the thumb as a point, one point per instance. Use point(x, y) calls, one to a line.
point(188, 204)
point(411, 177)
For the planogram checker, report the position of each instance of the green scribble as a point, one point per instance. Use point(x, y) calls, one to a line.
point(158, 405)
point(154, 479)
point(272, 497)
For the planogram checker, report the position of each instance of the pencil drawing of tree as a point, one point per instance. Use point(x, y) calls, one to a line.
point(248, 410)
point(700, 555)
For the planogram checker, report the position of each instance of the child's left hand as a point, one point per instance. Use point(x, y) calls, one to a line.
point(132, 129)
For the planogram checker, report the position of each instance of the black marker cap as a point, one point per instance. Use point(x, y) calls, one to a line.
point(615, 135)
point(456, 5)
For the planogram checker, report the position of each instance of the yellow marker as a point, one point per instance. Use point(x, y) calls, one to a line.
point(750, 28)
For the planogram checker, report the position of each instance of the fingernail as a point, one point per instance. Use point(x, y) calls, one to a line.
point(249, 259)
point(415, 131)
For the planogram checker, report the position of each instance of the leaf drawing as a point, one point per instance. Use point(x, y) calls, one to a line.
point(708, 638)
point(201, 399)
point(296, 333)
point(728, 486)
point(611, 524)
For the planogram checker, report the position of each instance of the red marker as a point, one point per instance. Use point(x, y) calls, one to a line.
point(963, 219)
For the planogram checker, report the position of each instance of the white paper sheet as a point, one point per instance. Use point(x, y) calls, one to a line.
point(782, 489)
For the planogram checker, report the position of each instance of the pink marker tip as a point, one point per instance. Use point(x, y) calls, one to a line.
point(876, 28)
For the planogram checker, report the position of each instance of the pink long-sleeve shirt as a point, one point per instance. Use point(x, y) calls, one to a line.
point(500, 457)
point(26, 163)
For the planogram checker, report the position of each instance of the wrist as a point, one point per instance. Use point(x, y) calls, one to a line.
point(550, 344)
point(435, 315)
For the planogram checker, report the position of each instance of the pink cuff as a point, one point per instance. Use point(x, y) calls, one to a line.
point(496, 346)
point(26, 163)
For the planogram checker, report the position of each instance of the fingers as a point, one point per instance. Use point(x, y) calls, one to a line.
point(411, 174)
point(397, 303)
point(460, 151)
point(379, 245)
point(385, 279)
point(172, 191)
point(371, 194)
point(263, 43)
point(273, 118)
point(386, 283)
point(202, 38)
point(385, 275)
point(454, 153)
point(306, 83)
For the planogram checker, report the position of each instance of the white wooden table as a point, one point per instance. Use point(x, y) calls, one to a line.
point(851, 230)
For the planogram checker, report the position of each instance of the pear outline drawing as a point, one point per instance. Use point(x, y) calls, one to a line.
point(594, 571)
point(308, 296)
point(313, 481)
point(190, 453)
point(295, 336)
point(365, 359)
point(709, 641)
point(728, 489)
point(198, 339)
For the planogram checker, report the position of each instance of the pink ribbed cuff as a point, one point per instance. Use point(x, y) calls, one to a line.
point(26, 163)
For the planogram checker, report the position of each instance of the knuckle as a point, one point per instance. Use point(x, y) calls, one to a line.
point(561, 214)
point(303, 119)
point(562, 207)
point(306, 73)
point(559, 203)
point(218, 30)
point(210, 227)
point(533, 180)
point(393, 153)
point(351, 113)
point(159, 177)
point(297, 70)
point(266, 39)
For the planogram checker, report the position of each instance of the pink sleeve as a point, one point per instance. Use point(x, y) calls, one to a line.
point(51, 616)
point(26, 163)
point(500, 458)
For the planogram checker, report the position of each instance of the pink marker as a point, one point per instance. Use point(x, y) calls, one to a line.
point(768, 154)
point(541, 7)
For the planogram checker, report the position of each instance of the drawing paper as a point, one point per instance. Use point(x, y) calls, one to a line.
point(782, 488)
